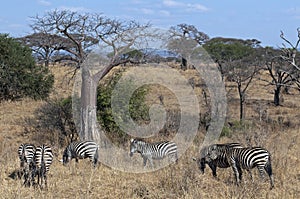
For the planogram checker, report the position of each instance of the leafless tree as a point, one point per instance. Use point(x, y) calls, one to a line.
point(241, 72)
point(282, 67)
point(289, 53)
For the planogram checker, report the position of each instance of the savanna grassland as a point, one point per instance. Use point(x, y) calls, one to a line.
point(275, 128)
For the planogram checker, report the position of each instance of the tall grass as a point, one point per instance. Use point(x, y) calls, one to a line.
point(182, 180)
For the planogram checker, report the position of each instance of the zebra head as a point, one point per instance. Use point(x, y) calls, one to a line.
point(202, 160)
point(66, 156)
point(201, 163)
point(212, 153)
point(135, 146)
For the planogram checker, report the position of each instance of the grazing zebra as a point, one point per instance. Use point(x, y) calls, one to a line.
point(43, 160)
point(220, 161)
point(81, 150)
point(246, 158)
point(27, 164)
point(150, 151)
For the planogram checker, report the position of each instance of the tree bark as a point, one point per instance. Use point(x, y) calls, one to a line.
point(277, 95)
point(88, 117)
point(242, 100)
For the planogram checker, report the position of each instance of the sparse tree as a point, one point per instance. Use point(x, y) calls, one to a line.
point(238, 61)
point(289, 53)
point(179, 33)
point(189, 31)
point(278, 71)
point(44, 45)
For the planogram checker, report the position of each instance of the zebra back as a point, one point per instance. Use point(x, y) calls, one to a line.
point(26, 154)
point(157, 150)
point(250, 157)
point(43, 157)
point(219, 160)
point(81, 150)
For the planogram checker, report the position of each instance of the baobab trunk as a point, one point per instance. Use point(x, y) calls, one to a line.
point(88, 116)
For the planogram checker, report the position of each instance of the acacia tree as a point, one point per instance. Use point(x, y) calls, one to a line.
point(238, 61)
point(179, 33)
point(44, 45)
point(82, 32)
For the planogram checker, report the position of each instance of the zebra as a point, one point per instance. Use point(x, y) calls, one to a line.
point(220, 161)
point(81, 150)
point(43, 160)
point(26, 154)
point(150, 151)
point(246, 158)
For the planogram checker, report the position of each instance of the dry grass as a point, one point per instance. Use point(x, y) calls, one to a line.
point(177, 181)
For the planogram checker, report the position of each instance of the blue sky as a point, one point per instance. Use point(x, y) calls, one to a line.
point(259, 19)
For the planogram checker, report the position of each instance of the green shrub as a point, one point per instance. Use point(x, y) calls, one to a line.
point(19, 75)
point(138, 110)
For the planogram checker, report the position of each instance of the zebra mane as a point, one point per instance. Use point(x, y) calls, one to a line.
point(204, 151)
point(136, 139)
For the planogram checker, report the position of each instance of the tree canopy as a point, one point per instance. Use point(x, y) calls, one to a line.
point(19, 75)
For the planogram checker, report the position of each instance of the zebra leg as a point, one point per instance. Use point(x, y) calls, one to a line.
point(173, 158)
point(250, 174)
point(95, 159)
point(176, 158)
point(240, 172)
point(261, 171)
point(236, 169)
point(45, 179)
point(213, 168)
point(268, 169)
point(26, 177)
point(145, 160)
point(151, 162)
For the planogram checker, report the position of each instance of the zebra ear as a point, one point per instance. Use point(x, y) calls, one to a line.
point(131, 140)
point(214, 147)
point(61, 160)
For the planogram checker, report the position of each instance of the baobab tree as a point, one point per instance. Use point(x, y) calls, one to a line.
point(83, 31)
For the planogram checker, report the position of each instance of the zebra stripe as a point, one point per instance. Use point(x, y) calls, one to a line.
point(81, 150)
point(248, 158)
point(27, 164)
point(220, 161)
point(43, 160)
point(150, 151)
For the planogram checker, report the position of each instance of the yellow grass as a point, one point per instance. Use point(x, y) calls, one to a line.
point(176, 181)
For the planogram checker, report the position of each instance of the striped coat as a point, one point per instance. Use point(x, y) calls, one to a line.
point(150, 151)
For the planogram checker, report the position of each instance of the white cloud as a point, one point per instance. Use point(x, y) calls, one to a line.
point(185, 6)
point(44, 3)
point(198, 7)
point(165, 13)
point(147, 11)
point(74, 9)
point(172, 3)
